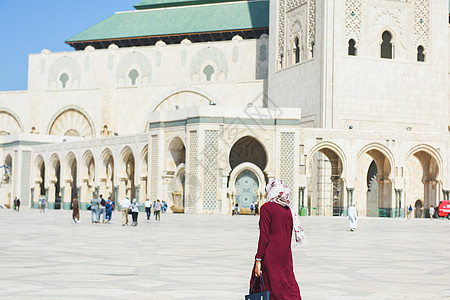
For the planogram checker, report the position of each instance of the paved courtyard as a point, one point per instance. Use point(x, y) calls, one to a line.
point(47, 256)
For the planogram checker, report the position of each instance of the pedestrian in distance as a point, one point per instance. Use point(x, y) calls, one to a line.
point(252, 207)
point(75, 210)
point(352, 217)
point(18, 204)
point(431, 211)
point(409, 212)
point(278, 222)
point(148, 208)
point(135, 212)
point(236, 209)
point(125, 206)
point(102, 209)
point(42, 204)
point(109, 209)
point(257, 209)
point(158, 210)
point(163, 206)
point(154, 209)
point(94, 209)
point(14, 204)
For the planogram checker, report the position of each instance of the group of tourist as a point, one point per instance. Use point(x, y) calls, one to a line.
point(254, 209)
point(101, 209)
point(132, 208)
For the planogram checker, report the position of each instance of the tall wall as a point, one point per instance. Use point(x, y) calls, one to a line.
point(365, 92)
point(118, 87)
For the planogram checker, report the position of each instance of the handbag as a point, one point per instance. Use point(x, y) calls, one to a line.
point(263, 295)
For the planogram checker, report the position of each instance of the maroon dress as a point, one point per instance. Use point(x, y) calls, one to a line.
point(274, 248)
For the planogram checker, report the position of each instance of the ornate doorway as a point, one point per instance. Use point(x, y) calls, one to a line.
point(246, 190)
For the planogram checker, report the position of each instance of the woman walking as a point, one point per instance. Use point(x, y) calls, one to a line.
point(135, 211)
point(274, 256)
point(75, 210)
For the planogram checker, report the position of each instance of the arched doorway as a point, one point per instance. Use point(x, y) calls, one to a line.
point(143, 184)
point(325, 183)
point(422, 181)
point(54, 182)
point(247, 159)
point(374, 183)
point(39, 190)
point(87, 177)
point(246, 189)
point(127, 186)
point(107, 188)
point(418, 209)
point(177, 166)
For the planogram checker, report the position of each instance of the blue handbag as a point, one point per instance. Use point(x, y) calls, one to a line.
point(263, 295)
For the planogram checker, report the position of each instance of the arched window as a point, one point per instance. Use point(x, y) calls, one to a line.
point(351, 47)
point(296, 51)
point(208, 71)
point(133, 76)
point(64, 78)
point(420, 54)
point(386, 45)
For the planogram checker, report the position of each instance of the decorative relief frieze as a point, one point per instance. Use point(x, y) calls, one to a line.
point(312, 26)
point(421, 22)
point(281, 37)
point(291, 4)
point(353, 20)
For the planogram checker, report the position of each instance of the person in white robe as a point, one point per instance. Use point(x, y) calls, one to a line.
point(352, 217)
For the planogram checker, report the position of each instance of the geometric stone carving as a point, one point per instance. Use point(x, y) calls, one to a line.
point(287, 158)
point(134, 61)
point(71, 122)
point(192, 175)
point(353, 21)
point(311, 26)
point(209, 56)
point(64, 65)
point(421, 22)
point(9, 122)
point(210, 169)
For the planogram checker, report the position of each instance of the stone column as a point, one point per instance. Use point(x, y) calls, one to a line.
point(85, 198)
point(51, 194)
point(67, 199)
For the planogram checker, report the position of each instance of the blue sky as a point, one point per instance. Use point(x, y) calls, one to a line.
point(28, 26)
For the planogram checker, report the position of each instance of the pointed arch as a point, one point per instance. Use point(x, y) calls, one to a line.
point(71, 116)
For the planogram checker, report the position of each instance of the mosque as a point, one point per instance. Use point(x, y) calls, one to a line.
point(200, 102)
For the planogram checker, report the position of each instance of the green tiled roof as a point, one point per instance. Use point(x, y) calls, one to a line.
point(235, 15)
point(144, 4)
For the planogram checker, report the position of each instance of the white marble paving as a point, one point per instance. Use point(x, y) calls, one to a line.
point(47, 256)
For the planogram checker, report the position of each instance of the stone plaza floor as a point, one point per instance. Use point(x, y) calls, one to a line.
point(47, 256)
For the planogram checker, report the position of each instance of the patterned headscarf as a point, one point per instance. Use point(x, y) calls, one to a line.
point(279, 192)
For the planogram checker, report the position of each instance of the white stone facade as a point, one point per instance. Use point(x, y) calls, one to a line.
point(205, 125)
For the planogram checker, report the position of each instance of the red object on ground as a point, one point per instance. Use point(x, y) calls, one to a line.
point(274, 248)
point(444, 208)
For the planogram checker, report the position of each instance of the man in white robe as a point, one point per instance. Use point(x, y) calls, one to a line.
point(352, 217)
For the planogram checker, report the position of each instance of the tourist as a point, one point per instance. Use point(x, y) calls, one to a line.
point(102, 209)
point(17, 204)
point(409, 212)
point(94, 209)
point(164, 206)
point(14, 204)
point(431, 211)
point(251, 209)
point(257, 208)
point(352, 217)
point(125, 206)
point(154, 209)
point(158, 210)
point(274, 256)
point(135, 211)
point(148, 208)
point(109, 209)
point(42, 204)
point(236, 209)
point(75, 210)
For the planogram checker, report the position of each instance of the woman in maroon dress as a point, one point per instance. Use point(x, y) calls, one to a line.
point(274, 256)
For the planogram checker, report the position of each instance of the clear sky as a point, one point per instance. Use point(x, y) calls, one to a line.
point(28, 26)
